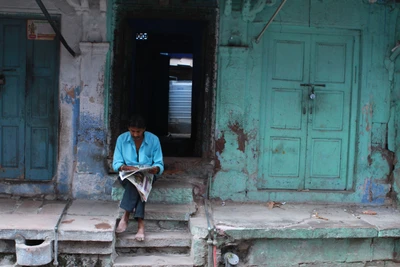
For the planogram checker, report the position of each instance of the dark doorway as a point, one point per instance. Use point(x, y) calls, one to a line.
point(146, 38)
point(165, 81)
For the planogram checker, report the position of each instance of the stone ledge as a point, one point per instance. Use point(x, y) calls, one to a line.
point(155, 239)
point(198, 224)
point(85, 247)
point(30, 226)
point(87, 228)
point(36, 220)
point(165, 215)
point(304, 221)
point(168, 212)
point(297, 233)
point(7, 246)
point(163, 191)
point(152, 261)
point(158, 225)
point(171, 212)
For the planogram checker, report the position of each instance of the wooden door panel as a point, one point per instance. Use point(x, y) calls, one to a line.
point(325, 158)
point(27, 104)
point(12, 103)
point(9, 148)
point(305, 142)
point(41, 110)
point(328, 127)
point(284, 150)
point(39, 151)
point(12, 31)
point(288, 61)
point(283, 122)
point(328, 109)
point(330, 60)
point(286, 109)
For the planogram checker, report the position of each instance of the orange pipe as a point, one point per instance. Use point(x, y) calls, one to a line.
point(215, 256)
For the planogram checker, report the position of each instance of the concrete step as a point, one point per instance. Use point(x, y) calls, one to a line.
point(168, 212)
point(154, 261)
point(156, 239)
point(159, 225)
point(84, 220)
point(170, 191)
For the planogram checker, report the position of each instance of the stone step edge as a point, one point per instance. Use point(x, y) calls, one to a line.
point(171, 239)
point(153, 261)
point(173, 195)
point(167, 212)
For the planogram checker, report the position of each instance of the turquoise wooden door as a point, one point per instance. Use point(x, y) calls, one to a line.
point(307, 108)
point(27, 104)
point(12, 98)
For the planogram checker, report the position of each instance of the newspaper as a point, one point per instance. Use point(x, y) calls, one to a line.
point(141, 178)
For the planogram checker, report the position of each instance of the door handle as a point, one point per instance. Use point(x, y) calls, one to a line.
point(310, 110)
point(304, 110)
point(8, 69)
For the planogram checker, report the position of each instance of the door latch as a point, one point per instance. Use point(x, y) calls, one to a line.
point(313, 84)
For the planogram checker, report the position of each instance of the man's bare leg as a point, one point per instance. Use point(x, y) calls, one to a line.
point(140, 233)
point(123, 223)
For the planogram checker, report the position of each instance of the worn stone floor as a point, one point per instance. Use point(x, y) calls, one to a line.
point(277, 220)
point(90, 220)
point(37, 219)
point(241, 220)
point(32, 217)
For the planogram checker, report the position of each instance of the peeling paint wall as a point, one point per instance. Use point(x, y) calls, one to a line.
point(83, 99)
point(82, 131)
point(238, 119)
point(302, 252)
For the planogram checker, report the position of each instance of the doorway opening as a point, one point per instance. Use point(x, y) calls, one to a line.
point(180, 95)
point(165, 77)
point(160, 71)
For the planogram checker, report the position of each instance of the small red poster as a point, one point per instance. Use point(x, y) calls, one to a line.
point(39, 30)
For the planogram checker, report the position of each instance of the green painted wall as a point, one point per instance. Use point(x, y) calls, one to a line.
point(322, 252)
point(240, 90)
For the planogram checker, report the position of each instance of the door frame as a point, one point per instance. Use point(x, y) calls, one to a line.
point(354, 99)
point(205, 121)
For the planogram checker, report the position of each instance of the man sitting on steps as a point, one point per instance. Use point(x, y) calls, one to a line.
point(133, 148)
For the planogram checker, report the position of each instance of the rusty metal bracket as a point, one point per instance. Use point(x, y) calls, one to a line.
point(270, 21)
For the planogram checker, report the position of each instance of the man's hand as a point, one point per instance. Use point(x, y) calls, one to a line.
point(154, 170)
point(130, 168)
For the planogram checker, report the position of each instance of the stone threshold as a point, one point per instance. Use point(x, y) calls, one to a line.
point(91, 220)
point(84, 220)
point(240, 221)
point(154, 260)
point(94, 221)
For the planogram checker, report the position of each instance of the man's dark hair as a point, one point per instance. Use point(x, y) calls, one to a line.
point(137, 121)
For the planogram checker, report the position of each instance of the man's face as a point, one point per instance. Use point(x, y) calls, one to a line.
point(137, 133)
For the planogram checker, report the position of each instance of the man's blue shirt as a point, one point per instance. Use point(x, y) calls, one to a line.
point(149, 153)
